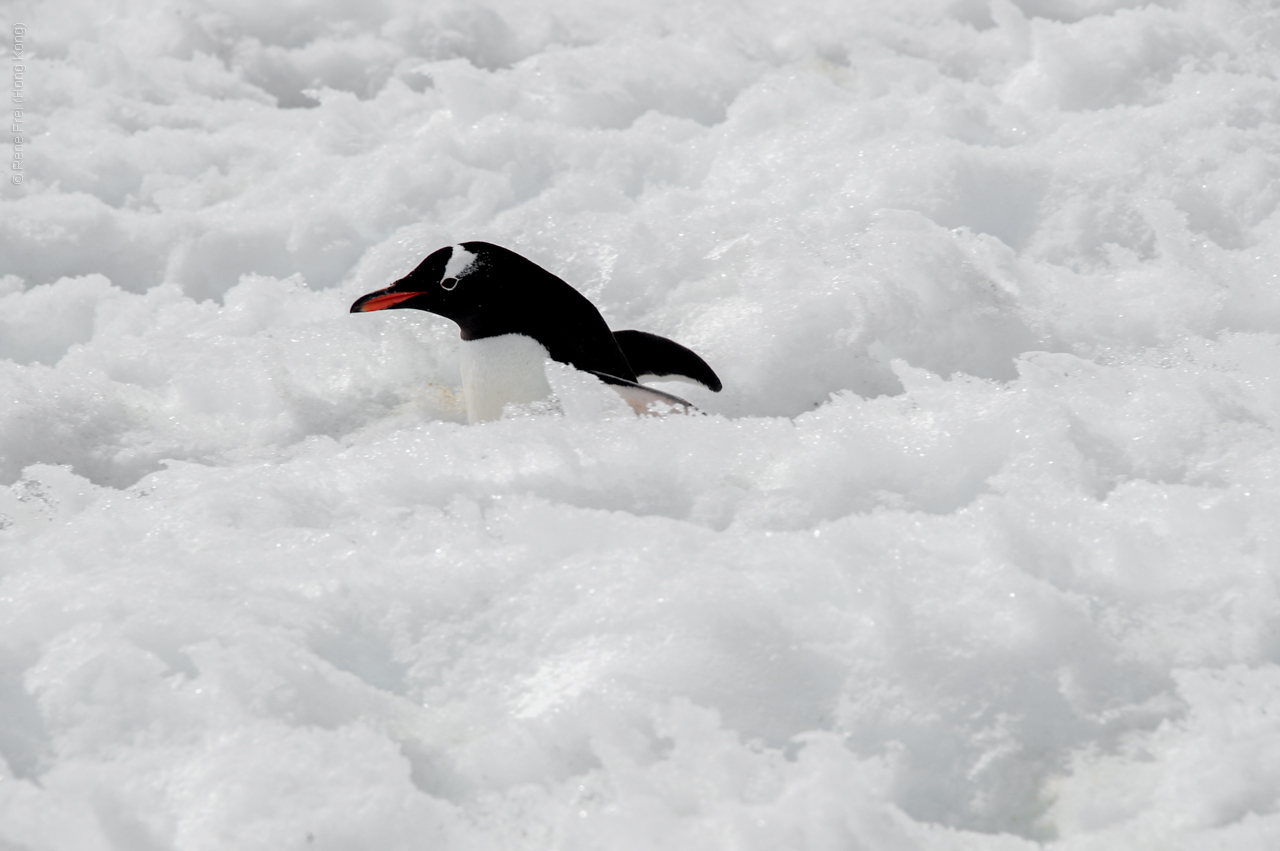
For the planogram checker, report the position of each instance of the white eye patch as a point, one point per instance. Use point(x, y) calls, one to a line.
point(460, 262)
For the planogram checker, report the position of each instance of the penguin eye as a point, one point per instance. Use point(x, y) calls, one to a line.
point(449, 283)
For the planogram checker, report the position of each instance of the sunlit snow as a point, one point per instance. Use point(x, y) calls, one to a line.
point(977, 549)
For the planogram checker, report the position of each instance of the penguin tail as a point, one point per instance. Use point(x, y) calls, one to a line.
point(658, 358)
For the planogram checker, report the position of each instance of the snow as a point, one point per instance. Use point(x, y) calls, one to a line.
point(977, 549)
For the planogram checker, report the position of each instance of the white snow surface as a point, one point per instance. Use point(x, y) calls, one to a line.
point(978, 549)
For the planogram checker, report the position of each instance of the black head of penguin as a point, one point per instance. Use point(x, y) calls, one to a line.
point(490, 291)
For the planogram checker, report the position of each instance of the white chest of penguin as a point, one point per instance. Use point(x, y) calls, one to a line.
point(497, 371)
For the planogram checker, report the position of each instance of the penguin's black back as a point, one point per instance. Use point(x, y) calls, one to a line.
point(507, 294)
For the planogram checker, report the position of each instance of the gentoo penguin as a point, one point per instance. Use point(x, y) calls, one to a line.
point(513, 315)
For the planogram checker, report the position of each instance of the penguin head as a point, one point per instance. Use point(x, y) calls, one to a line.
point(447, 283)
point(491, 291)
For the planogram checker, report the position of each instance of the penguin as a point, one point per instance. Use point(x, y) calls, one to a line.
point(513, 315)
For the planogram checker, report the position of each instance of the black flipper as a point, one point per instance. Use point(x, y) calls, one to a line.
point(640, 397)
point(652, 356)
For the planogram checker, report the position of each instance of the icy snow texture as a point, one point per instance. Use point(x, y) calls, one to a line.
point(978, 549)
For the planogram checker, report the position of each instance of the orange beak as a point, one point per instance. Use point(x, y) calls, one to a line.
point(380, 301)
